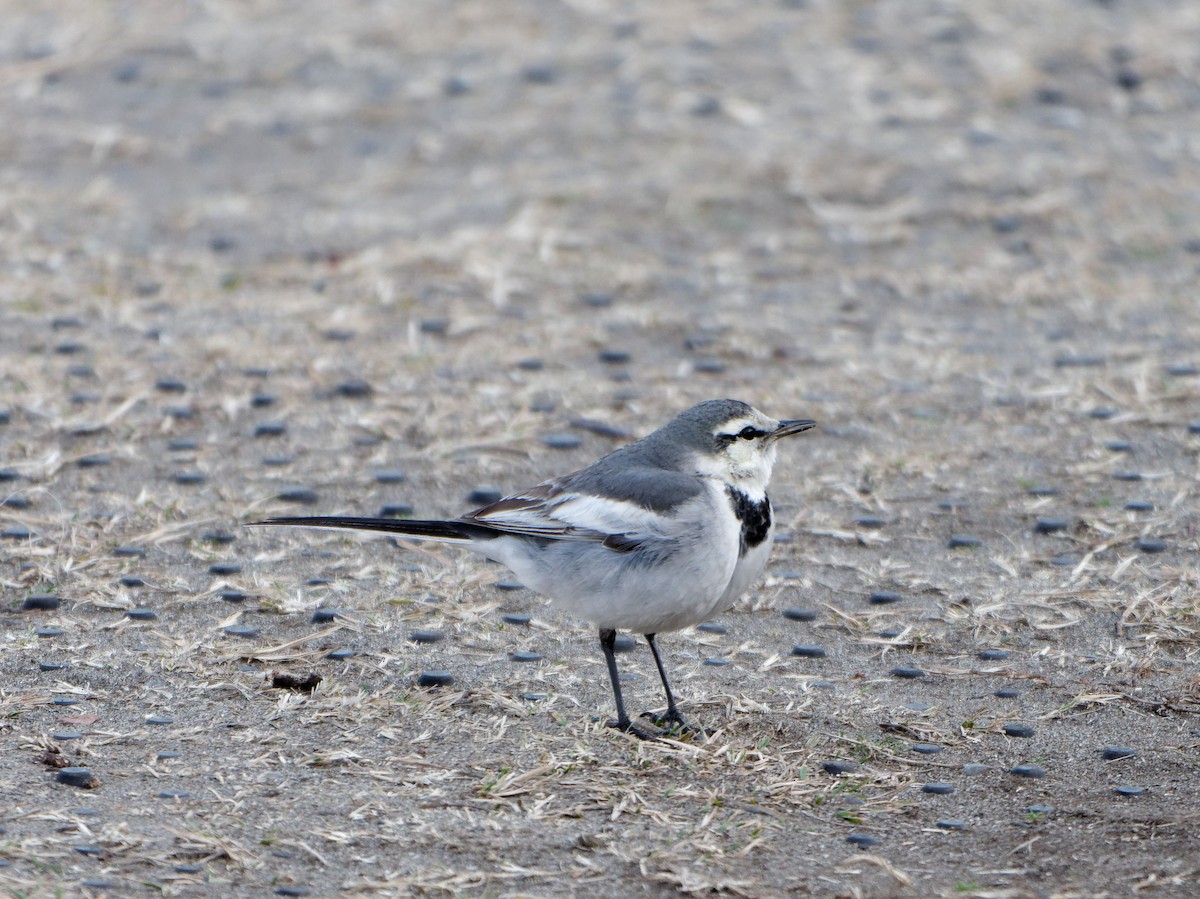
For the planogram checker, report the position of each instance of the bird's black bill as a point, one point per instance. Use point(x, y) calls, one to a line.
point(795, 426)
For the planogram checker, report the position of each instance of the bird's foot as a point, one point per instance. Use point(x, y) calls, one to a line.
point(630, 728)
point(675, 725)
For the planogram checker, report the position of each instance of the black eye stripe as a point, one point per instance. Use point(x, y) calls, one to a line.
point(750, 432)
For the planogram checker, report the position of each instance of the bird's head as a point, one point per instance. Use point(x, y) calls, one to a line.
point(733, 441)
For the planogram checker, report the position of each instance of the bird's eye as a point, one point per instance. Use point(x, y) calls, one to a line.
point(749, 432)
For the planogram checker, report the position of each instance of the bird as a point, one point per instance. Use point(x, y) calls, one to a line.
point(658, 535)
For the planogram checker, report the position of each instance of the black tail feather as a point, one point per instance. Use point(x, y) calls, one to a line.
point(434, 530)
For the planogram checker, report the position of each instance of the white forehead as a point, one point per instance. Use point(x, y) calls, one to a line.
point(753, 419)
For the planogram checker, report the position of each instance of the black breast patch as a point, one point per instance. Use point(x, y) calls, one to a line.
point(754, 516)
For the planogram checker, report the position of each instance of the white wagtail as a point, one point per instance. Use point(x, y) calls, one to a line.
point(660, 534)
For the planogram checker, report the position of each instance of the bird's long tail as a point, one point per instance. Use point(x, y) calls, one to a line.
point(445, 531)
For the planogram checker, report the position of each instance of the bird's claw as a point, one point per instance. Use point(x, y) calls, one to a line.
point(632, 729)
point(673, 723)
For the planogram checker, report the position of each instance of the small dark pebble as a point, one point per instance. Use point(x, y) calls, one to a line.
point(1194, 427)
point(270, 429)
point(598, 299)
point(561, 441)
point(221, 538)
point(130, 552)
point(907, 673)
point(525, 656)
point(241, 630)
point(1041, 490)
point(1118, 446)
point(938, 789)
point(183, 413)
point(277, 461)
point(16, 532)
point(94, 460)
point(89, 849)
point(52, 666)
point(870, 521)
point(390, 476)
point(456, 86)
point(1006, 693)
point(714, 662)
point(600, 428)
point(1182, 369)
point(1039, 810)
point(263, 400)
point(174, 794)
point(951, 824)
point(324, 616)
point(535, 697)
point(170, 385)
point(953, 504)
point(339, 655)
point(15, 501)
point(338, 335)
point(800, 614)
point(355, 388)
point(840, 767)
point(927, 748)
point(426, 636)
point(159, 720)
point(884, 597)
point(709, 366)
point(225, 568)
point(318, 582)
point(862, 839)
point(69, 348)
point(302, 495)
point(5, 416)
point(1027, 771)
point(808, 652)
point(1111, 753)
point(484, 496)
point(434, 679)
point(515, 618)
point(396, 510)
point(303, 682)
point(189, 477)
point(1139, 505)
point(711, 627)
point(1018, 730)
point(973, 769)
point(41, 602)
point(1127, 475)
point(1065, 561)
point(292, 890)
point(614, 357)
point(1050, 525)
point(993, 655)
point(434, 325)
point(1129, 790)
point(232, 595)
point(1078, 361)
point(64, 700)
point(624, 643)
point(77, 777)
point(540, 73)
point(508, 585)
point(182, 444)
point(9, 474)
point(1006, 224)
point(47, 633)
point(141, 614)
point(963, 541)
point(132, 580)
point(891, 633)
point(1151, 545)
point(1103, 413)
point(531, 364)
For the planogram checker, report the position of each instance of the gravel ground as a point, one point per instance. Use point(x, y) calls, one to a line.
point(266, 257)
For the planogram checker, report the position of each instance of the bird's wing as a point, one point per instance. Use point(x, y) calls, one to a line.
point(633, 508)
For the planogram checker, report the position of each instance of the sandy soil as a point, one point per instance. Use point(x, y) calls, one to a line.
point(394, 253)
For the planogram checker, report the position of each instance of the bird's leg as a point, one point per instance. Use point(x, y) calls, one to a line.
point(672, 716)
point(608, 638)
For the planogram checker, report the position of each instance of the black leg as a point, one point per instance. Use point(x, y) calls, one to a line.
point(672, 717)
point(607, 639)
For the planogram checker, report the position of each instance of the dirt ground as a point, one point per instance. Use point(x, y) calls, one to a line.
point(369, 254)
